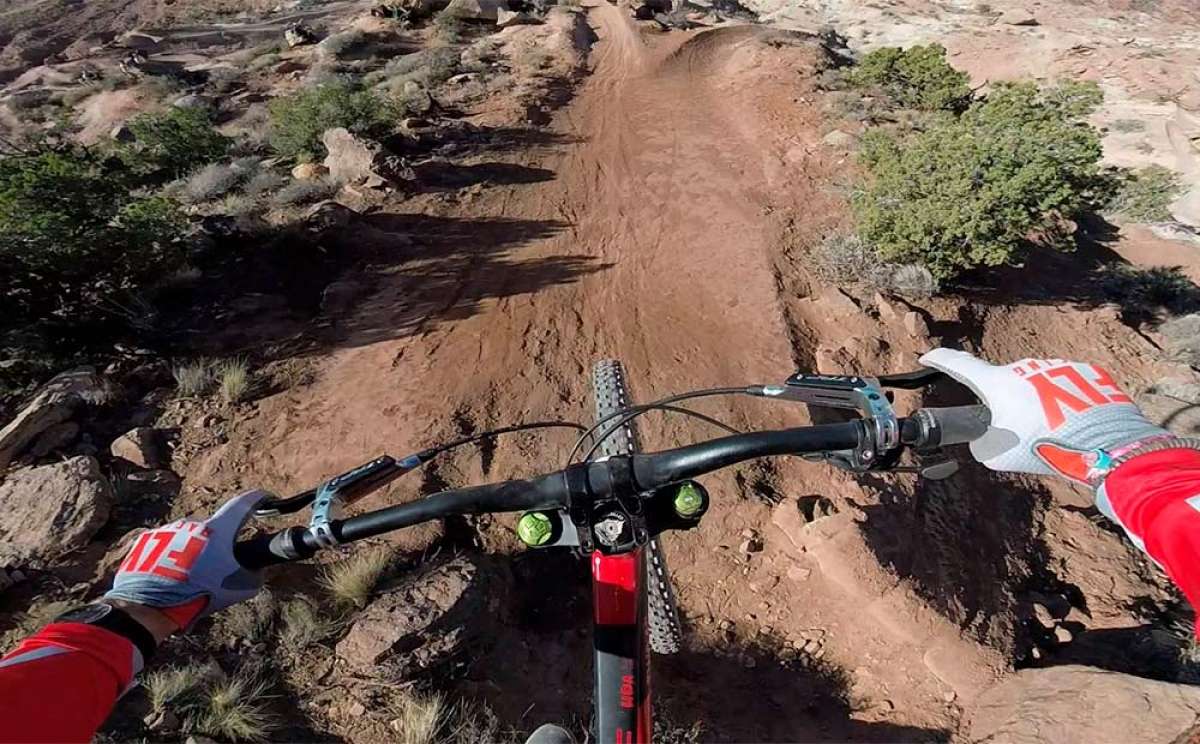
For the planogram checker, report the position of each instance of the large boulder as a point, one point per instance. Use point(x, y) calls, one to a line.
point(51, 510)
point(352, 161)
point(1075, 703)
point(141, 447)
point(424, 622)
point(479, 10)
point(54, 404)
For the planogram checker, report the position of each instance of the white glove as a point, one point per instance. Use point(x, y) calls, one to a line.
point(1049, 416)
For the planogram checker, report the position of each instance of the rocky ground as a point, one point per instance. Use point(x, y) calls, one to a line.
point(580, 187)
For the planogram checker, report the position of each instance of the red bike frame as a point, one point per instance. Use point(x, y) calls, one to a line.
point(622, 648)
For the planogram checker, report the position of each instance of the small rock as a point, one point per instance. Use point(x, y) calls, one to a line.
point(483, 10)
point(725, 625)
point(798, 573)
point(811, 646)
point(462, 78)
point(915, 324)
point(309, 172)
point(1018, 17)
point(506, 18)
point(1062, 636)
point(139, 446)
point(416, 98)
point(749, 533)
point(887, 311)
point(1036, 653)
point(298, 34)
point(839, 139)
point(193, 102)
point(121, 133)
point(752, 545)
point(950, 696)
point(352, 160)
point(328, 215)
point(415, 124)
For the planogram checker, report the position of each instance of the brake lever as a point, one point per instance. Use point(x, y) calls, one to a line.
point(912, 380)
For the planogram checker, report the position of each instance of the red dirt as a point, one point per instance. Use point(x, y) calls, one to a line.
point(663, 222)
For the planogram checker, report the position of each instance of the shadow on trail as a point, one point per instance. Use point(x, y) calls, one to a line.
point(437, 269)
point(439, 176)
point(736, 691)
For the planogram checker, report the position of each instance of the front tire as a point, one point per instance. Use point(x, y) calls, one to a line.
point(608, 381)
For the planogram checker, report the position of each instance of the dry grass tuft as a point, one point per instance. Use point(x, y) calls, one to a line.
point(233, 379)
point(192, 378)
point(302, 625)
point(235, 711)
point(231, 708)
point(418, 718)
point(350, 581)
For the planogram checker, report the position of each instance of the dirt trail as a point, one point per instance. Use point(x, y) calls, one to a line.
point(650, 244)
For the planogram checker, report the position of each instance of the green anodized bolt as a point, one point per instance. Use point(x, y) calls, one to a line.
point(535, 528)
point(689, 500)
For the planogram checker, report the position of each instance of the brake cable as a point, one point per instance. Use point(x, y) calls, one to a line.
point(295, 503)
point(636, 411)
point(654, 405)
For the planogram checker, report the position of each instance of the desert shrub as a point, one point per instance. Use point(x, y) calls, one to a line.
point(264, 182)
point(843, 258)
point(913, 281)
point(210, 182)
point(299, 120)
point(1146, 292)
point(173, 142)
point(233, 380)
point(74, 232)
point(192, 378)
point(448, 27)
point(351, 580)
point(298, 193)
point(970, 190)
point(302, 625)
point(918, 77)
point(429, 67)
point(1182, 337)
point(1146, 195)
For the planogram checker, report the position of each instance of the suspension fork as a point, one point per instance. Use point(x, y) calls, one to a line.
point(622, 649)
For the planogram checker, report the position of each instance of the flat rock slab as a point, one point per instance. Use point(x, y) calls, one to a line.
point(1082, 704)
point(422, 622)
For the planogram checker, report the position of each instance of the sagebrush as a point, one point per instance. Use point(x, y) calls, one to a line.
point(299, 120)
point(1146, 195)
point(918, 77)
point(971, 190)
point(173, 142)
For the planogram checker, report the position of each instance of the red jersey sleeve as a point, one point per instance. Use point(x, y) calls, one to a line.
point(1156, 498)
point(61, 683)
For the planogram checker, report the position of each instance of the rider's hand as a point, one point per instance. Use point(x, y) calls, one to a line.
point(186, 570)
point(1049, 416)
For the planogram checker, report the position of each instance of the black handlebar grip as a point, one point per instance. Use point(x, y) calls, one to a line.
point(957, 424)
point(271, 550)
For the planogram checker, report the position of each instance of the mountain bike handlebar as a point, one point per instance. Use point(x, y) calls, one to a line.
point(928, 427)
